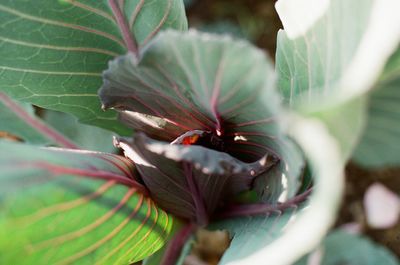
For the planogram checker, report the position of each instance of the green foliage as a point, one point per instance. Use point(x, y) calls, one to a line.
point(199, 81)
point(55, 210)
point(85, 136)
point(379, 145)
point(62, 206)
point(13, 124)
point(53, 52)
point(340, 247)
point(250, 234)
point(324, 69)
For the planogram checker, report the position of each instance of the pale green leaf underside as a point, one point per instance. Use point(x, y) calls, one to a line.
point(330, 60)
point(311, 65)
point(53, 52)
point(250, 234)
point(15, 126)
point(52, 212)
point(343, 248)
point(345, 121)
point(379, 145)
point(311, 69)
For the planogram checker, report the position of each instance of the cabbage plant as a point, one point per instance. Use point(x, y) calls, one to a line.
point(207, 131)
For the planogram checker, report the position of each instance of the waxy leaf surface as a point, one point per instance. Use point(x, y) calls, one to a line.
point(324, 60)
point(379, 145)
point(14, 125)
point(195, 81)
point(61, 207)
point(330, 60)
point(340, 247)
point(53, 52)
point(252, 233)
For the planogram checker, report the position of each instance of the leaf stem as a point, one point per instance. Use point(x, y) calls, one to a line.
point(175, 246)
point(262, 208)
point(37, 124)
point(201, 212)
point(128, 37)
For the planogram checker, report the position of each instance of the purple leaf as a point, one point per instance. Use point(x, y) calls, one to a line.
point(190, 181)
point(195, 81)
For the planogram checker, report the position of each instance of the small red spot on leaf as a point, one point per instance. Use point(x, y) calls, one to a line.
point(190, 139)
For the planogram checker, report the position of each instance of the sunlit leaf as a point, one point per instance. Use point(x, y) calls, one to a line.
point(324, 60)
point(53, 52)
point(250, 234)
point(62, 207)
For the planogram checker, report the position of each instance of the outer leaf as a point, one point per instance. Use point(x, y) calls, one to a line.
point(53, 52)
point(324, 58)
point(283, 239)
point(61, 207)
point(86, 136)
point(251, 234)
point(379, 143)
point(193, 81)
point(11, 123)
point(327, 56)
point(346, 121)
point(343, 248)
point(156, 258)
point(19, 120)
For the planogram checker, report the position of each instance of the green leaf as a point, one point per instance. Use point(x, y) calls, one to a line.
point(379, 143)
point(53, 52)
point(324, 60)
point(344, 248)
point(85, 136)
point(18, 119)
point(198, 81)
point(346, 121)
point(156, 258)
point(324, 55)
point(251, 234)
point(13, 124)
point(60, 206)
point(283, 237)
